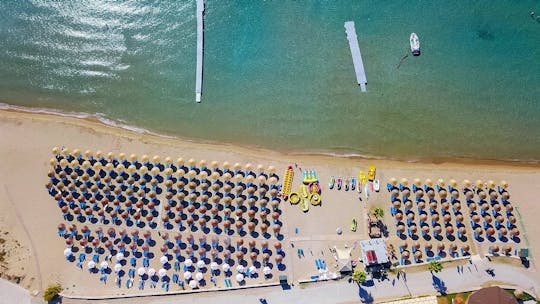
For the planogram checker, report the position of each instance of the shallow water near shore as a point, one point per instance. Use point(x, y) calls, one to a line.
point(280, 76)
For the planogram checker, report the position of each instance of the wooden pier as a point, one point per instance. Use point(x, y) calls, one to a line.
point(200, 49)
point(356, 55)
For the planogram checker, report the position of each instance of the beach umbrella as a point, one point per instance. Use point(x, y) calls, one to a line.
point(465, 247)
point(68, 252)
point(466, 183)
point(399, 216)
point(504, 184)
point(193, 284)
point(91, 265)
point(440, 182)
point(507, 248)
point(200, 263)
point(188, 262)
point(417, 182)
point(404, 181)
point(239, 277)
point(405, 254)
point(187, 275)
point(117, 268)
point(447, 218)
point(491, 184)
point(104, 265)
point(240, 269)
point(479, 184)
point(442, 194)
point(479, 231)
point(141, 271)
point(226, 267)
point(163, 260)
point(214, 266)
point(494, 248)
point(449, 230)
point(267, 270)
point(199, 276)
point(151, 272)
point(515, 232)
point(428, 246)
point(119, 256)
point(418, 254)
point(162, 272)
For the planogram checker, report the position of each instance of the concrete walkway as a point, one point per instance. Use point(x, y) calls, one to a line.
point(12, 293)
point(450, 280)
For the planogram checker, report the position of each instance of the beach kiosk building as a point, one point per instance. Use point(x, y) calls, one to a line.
point(374, 255)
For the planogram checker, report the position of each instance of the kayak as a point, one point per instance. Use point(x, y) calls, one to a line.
point(304, 204)
point(376, 185)
point(354, 225)
point(366, 191)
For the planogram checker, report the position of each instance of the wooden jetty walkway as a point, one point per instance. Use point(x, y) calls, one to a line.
point(200, 49)
point(356, 55)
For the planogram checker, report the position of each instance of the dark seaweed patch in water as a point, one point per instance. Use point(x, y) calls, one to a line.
point(485, 35)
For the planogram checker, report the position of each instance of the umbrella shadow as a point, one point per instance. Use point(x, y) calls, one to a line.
point(438, 284)
point(365, 295)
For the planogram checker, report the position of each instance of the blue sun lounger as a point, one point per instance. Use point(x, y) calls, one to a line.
point(141, 284)
point(129, 283)
point(146, 262)
point(131, 272)
point(95, 258)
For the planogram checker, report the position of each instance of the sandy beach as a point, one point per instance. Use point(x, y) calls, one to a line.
point(30, 215)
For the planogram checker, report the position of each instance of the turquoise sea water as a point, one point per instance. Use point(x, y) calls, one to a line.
point(279, 74)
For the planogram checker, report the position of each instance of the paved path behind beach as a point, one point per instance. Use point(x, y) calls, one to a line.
point(470, 276)
point(11, 293)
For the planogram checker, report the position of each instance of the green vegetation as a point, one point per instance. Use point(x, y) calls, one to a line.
point(378, 212)
point(435, 266)
point(359, 276)
point(51, 292)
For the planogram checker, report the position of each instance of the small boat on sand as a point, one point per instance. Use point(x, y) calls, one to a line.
point(415, 44)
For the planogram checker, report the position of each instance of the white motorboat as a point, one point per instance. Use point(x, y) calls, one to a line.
point(415, 44)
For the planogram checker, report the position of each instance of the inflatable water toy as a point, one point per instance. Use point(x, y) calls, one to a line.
point(354, 225)
point(339, 183)
point(303, 191)
point(371, 173)
point(376, 185)
point(315, 199)
point(314, 187)
point(310, 176)
point(287, 182)
point(294, 198)
point(362, 177)
point(353, 183)
point(304, 204)
point(331, 183)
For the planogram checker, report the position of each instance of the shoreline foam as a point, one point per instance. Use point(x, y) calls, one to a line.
point(103, 120)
